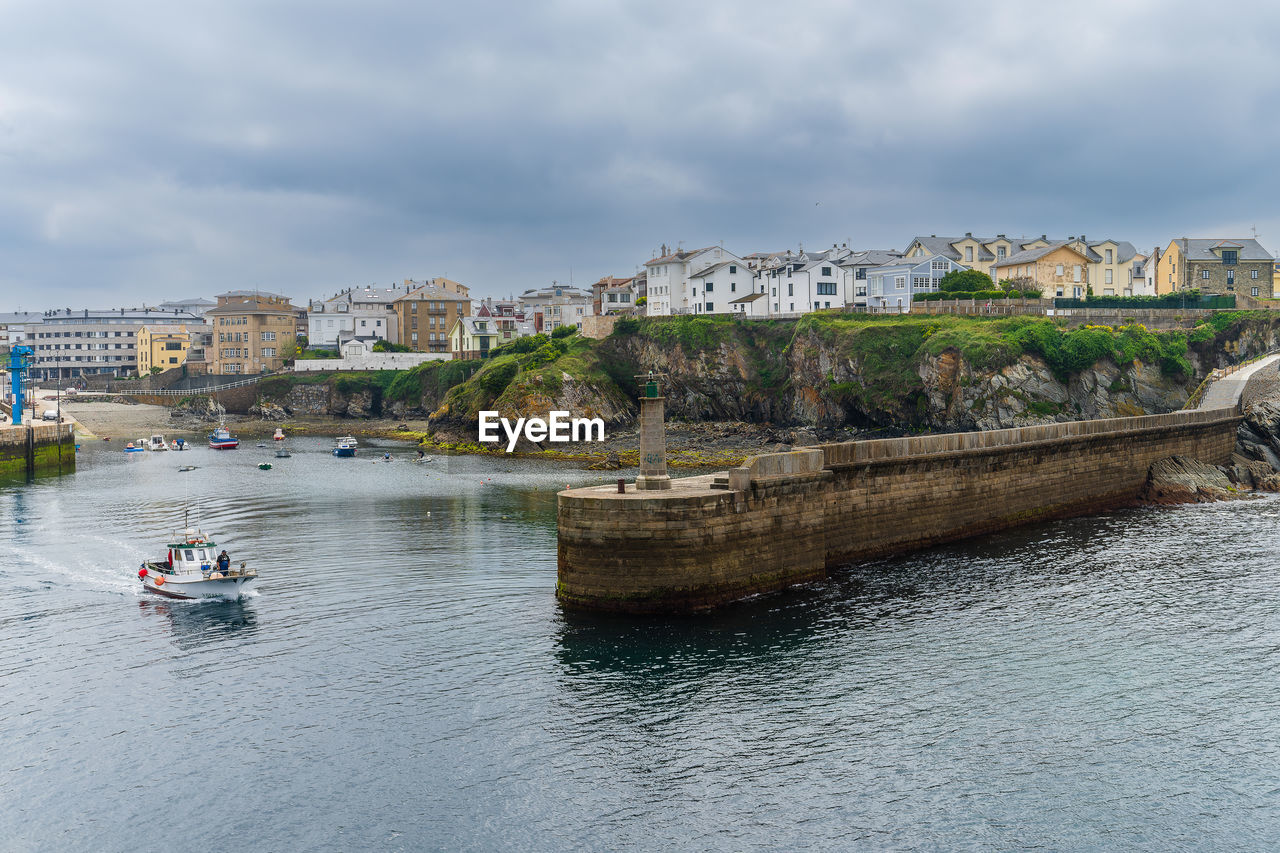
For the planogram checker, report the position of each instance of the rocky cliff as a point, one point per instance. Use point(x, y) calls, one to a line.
point(828, 374)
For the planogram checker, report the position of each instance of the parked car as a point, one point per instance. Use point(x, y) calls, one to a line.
point(50, 415)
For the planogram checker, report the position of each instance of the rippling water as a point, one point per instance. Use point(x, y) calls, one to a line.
point(404, 679)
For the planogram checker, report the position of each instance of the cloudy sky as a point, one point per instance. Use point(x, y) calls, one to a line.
point(156, 150)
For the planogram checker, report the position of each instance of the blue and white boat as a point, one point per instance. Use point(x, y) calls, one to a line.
point(222, 439)
point(345, 446)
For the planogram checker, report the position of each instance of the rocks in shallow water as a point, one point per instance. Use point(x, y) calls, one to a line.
point(1179, 480)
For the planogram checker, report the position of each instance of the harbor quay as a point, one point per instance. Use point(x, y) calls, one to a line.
point(787, 518)
point(31, 449)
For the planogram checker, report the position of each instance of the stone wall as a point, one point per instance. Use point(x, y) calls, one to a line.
point(52, 449)
point(598, 326)
point(774, 522)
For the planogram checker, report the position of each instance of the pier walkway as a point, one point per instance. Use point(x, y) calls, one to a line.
point(1225, 391)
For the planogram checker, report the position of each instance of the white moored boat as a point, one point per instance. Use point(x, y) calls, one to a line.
point(157, 442)
point(191, 570)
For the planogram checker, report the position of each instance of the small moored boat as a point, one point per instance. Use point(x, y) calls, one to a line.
point(178, 444)
point(222, 439)
point(345, 446)
point(157, 442)
point(191, 571)
point(279, 436)
point(283, 453)
point(131, 448)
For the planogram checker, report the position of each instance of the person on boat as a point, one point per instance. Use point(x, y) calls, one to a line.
point(421, 454)
point(224, 563)
point(386, 457)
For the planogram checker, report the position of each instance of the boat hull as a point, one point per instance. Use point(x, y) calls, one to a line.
point(344, 451)
point(195, 586)
point(231, 444)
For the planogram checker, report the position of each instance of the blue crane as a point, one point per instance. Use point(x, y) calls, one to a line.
point(19, 362)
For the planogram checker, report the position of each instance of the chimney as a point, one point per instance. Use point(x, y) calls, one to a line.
point(968, 233)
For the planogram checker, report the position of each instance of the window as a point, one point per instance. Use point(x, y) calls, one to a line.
point(1059, 271)
point(1077, 274)
point(968, 254)
point(826, 270)
point(733, 268)
point(710, 286)
point(940, 266)
point(1107, 275)
point(1203, 274)
point(268, 352)
point(1000, 253)
point(268, 336)
point(733, 286)
point(899, 282)
point(1109, 256)
point(791, 289)
point(1229, 256)
point(922, 282)
point(1253, 273)
point(815, 306)
point(860, 274)
point(826, 288)
point(1231, 278)
point(1253, 291)
point(711, 306)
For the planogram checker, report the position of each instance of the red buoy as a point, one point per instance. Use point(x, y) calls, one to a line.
point(142, 573)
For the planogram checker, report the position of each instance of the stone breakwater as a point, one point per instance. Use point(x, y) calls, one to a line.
point(786, 518)
point(38, 448)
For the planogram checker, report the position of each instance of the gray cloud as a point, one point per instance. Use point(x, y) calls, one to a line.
point(153, 150)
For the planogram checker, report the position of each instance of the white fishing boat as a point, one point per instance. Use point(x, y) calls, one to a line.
point(345, 446)
point(157, 442)
point(279, 435)
point(191, 570)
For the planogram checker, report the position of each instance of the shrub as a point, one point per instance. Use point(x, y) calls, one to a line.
point(497, 375)
point(563, 332)
point(967, 281)
point(626, 326)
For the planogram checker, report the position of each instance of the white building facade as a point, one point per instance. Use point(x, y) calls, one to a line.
point(354, 313)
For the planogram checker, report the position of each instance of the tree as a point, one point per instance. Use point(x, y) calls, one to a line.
point(643, 300)
point(156, 370)
point(965, 281)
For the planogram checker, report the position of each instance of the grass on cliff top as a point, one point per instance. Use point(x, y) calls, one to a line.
point(524, 379)
point(432, 378)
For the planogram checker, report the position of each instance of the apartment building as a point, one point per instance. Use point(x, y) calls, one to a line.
point(427, 311)
point(78, 343)
point(253, 332)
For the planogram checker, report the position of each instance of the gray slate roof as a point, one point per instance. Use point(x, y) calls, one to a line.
point(1196, 249)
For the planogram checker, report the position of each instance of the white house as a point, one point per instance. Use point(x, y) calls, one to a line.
point(669, 290)
point(854, 268)
point(358, 312)
point(554, 306)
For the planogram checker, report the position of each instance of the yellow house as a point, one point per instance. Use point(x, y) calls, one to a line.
point(979, 253)
point(1059, 269)
point(162, 346)
point(473, 337)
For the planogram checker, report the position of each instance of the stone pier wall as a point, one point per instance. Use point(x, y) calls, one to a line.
point(53, 450)
point(786, 518)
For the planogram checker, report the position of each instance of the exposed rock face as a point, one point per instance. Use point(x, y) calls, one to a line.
point(827, 389)
point(268, 411)
point(202, 408)
point(1179, 480)
point(308, 400)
